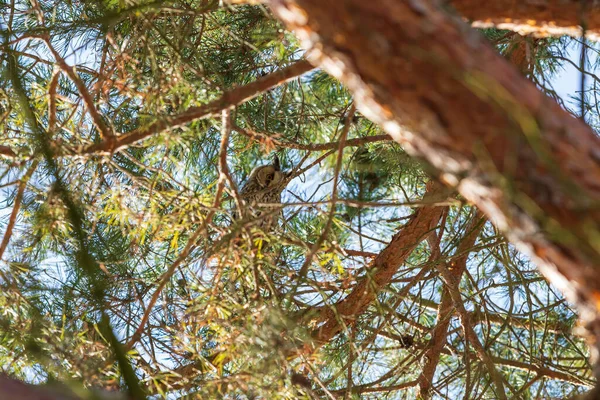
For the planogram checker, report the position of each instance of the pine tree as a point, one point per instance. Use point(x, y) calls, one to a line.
point(127, 263)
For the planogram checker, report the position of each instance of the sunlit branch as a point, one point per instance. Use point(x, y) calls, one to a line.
point(539, 18)
point(227, 100)
point(384, 266)
point(452, 273)
point(7, 151)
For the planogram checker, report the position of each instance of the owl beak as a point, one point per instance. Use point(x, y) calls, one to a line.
point(276, 164)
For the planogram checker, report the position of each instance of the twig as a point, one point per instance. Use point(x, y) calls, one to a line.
point(105, 131)
point(224, 169)
point(338, 167)
point(16, 207)
point(52, 101)
point(251, 133)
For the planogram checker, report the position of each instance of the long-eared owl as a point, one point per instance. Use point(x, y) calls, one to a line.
point(264, 185)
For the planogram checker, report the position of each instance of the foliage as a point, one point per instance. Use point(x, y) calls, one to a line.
point(229, 310)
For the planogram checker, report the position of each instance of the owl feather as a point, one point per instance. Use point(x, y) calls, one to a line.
point(265, 185)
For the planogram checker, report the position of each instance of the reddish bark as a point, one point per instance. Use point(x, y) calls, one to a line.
point(442, 92)
point(434, 349)
point(538, 17)
point(333, 319)
point(521, 53)
point(439, 333)
point(229, 99)
point(7, 151)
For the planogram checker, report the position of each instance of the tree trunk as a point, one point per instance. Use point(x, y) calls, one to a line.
point(538, 17)
point(443, 93)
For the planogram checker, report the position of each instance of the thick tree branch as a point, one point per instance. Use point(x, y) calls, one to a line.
point(540, 18)
point(537, 17)
point(227, 100)
point(471, 336)
point(17, 390)
point(7, 151)
point(383, 268)
point(445, 310)
point(443, 93)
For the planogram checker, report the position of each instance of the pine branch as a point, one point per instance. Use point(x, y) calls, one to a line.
point(17, 205)
point(227, 100)
point(383, 268)
point(253, 134)
point(445, 311)
point(17, 390)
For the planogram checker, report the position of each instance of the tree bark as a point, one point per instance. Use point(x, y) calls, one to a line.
point(537, 17)
point(443, 93)
point(521, 53)
point(7, 151)
point(332, 320)
point(228, 99)
point(439, 333)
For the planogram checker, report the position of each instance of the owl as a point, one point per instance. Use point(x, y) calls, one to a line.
point(264, 185)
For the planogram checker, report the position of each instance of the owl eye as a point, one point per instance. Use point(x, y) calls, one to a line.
point(269, 179)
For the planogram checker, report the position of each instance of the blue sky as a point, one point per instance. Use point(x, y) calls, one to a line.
point(567, 83)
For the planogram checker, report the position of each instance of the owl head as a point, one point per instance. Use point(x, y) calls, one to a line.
point(267, 176)
point(264, 185)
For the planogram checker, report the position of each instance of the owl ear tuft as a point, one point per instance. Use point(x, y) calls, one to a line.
point(276, 163)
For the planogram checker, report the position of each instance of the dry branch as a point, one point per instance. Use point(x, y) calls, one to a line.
point(17, 205)
point(105, 131)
